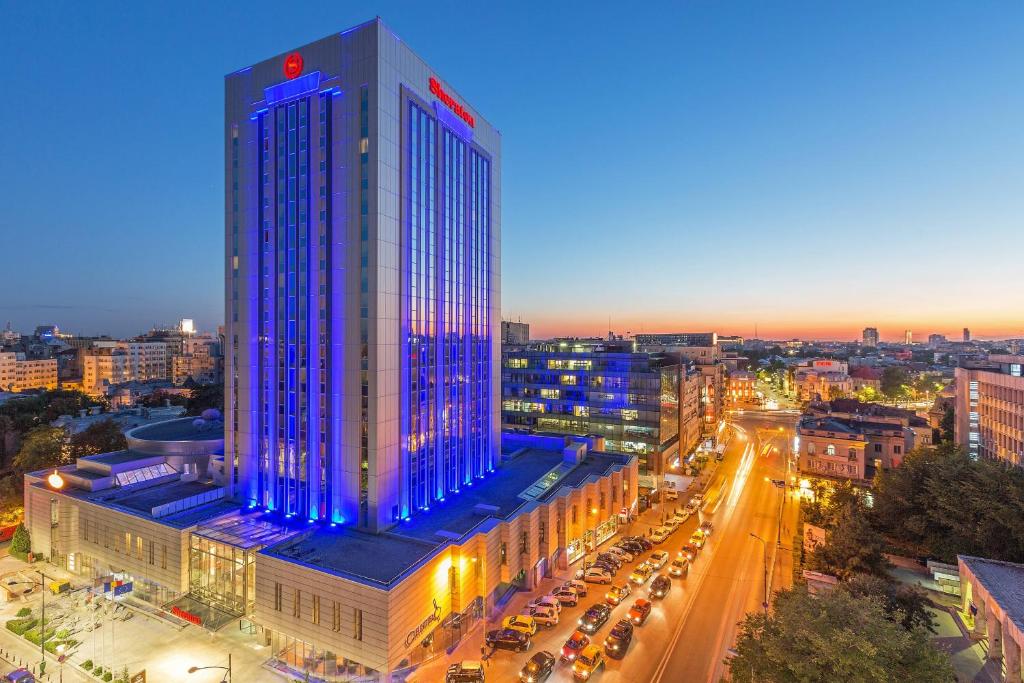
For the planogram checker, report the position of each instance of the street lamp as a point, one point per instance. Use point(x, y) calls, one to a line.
point(227, 669)
point(765, 546)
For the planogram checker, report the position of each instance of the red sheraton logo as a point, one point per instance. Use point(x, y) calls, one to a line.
point(293, 65)
point(449, 101)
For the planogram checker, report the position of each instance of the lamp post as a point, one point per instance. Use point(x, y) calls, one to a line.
point(764, 545)
point(227, 669)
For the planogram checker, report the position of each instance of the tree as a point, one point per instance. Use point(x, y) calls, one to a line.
point(893, 383)
point(835, 393)
point(205, 396)
point(43, 447)
point(21, 542)
point(852, 547)
point(833, 637)
point(99, 437)
point(904, 604)
point(867, 395)
point(946, 424)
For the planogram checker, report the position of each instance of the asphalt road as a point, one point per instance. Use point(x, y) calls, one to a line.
point(688, 633)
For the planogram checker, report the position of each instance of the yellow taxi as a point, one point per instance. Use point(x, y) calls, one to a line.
point(521, 623)
point(588, 662)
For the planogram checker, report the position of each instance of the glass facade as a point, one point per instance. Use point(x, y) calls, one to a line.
point(446, 360)
point(631, 399)
point(222, 575)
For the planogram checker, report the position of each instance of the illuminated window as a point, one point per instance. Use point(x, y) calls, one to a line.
point(581, 411)
point(629, 414)
point(830, 449)
point(550, 393)
point(516, 363)
point(568, 379)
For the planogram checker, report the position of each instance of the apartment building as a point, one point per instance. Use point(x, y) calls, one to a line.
point(17, 373)
point(989, 408)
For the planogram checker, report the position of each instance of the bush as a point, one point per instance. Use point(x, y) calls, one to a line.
point(87, 664)
point(21, 543)
point(108, 676)
point(20, 626)
point(98, 671)
point(25, 611)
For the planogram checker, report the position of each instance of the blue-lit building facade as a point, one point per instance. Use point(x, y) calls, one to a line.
point(362, 234)
point(641, 403)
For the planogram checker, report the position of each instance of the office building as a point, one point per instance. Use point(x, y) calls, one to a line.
point(706, 339)
point(908, 337)
point(989, 409)
point(515, 333)
point(936, 340)
point(870, 337)
point(633, 399)
point(967, 335)
point(18, 373)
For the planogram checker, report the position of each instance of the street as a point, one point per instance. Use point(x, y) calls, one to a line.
point(689, 632)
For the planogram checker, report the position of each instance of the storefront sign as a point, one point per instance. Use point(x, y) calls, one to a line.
point(424, 625)
point(449, 101)
point(123, 589)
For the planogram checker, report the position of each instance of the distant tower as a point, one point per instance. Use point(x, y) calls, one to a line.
point(908, 337)
point(870, 337)
point(967, 334)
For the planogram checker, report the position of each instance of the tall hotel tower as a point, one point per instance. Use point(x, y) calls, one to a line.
point(362, 229)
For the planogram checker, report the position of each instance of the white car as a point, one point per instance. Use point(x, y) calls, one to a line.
point(624, 554)
point(682, 515)
point(579, 587)
point(549, 601)
point(660, 534)
point(658, 559)
point(545, 616)
point(673, 523)
point(671, 494)
point(597, 575)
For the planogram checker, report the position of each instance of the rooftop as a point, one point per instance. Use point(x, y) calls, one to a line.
point(117, 457)
point(184, 429)
point(383, 559)
point(1004, 581)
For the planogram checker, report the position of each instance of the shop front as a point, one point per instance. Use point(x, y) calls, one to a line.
point(577, 548)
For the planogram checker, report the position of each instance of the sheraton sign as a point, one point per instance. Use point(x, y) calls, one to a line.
point(449, 101)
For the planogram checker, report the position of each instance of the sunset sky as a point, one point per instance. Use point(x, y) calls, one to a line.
point(813, 168)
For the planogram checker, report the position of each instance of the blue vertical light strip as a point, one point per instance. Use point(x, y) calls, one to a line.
point(364, 303)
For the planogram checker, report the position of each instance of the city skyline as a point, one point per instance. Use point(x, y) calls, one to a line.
point(918, 149)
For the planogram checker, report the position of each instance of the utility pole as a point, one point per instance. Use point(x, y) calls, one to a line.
point(764, 545)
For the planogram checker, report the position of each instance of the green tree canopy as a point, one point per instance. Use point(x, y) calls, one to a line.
point(43, 447)
point(852, 546)
point(893, 383)
point(99, 437)
point(205, 396)
point(835, 636)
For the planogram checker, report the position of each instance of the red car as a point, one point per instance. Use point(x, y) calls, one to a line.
point(574, 646)
point(639, 612)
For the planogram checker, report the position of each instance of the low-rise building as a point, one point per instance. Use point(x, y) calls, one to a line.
point(742, 388)
point(18, 373)
point(821, 380)
point(991, 594)
point(990, 409)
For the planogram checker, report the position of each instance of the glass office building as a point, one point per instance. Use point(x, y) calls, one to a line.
point(362, 284)
point(592, 387)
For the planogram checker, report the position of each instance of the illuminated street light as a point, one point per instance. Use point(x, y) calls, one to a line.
point(55, 480)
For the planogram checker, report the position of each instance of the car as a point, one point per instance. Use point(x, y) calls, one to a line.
point(521, 622)
point(658, 559)
point(616, 594)
point(641, 574)
point(622, 552)
point(632, 547)
point(545, 616)
point(597, 575)
point(690, 508)
point(538, 668)
point(589, 661)
point(672, 523)
point(21, 675)
point(697, 538)
point(574, 646)
point(689, 551)
point(594, 617)
point(706, 527)
point(697, 499)
point(579, 586)
point(507, 639)
point(546, 601)
point(670, 494)
point(611, 557)
point(660, 534)
point(618, 640)
point(606, 565)
point(679, 567)
point(566, 596)
point(682, 515)
point(465, 672)
point(644, 544)
point(660, 586)
point(640, 610)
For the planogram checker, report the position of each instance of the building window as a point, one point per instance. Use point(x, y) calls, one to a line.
point(878, 448)
point(830, 449)
point(503, 553)
point(540, 532)
point(138, 547)
point(53, 513)
point(316, 609)
point(336, 616)
point(897, 449)
point(575, 515)
point(810, 448)
point(278, 591)
point(357, 623)
point(152, 552)
point(163, 558)
point(524, 543)
point(297, 604)
point(601, 500)
point(127, 543)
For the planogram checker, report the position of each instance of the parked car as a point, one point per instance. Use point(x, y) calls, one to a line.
point(609, 566)
point(639, 612)
point(697, 538)
point(680, 567)
point(616, 594)
point(672, 523)
point(21, 675)
point(611, 557)
point(670, 494)
point(641, 574)
point(589, 661)
point(660, 586)
point(660, 534)
point(507, 639)
point(706, 527)
point(658, 559)
point(597, 575)
point(594, 617)
point(622, 552)
point(464, 672)
point(644, 544)
point(538, 668)
point(618, 640)
point(566, 596)
point(545, 616)
point(574, 646)
point(546, 601)
point(521, 622)
point(689, 551)
point(579, 586)
point(682, 515)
